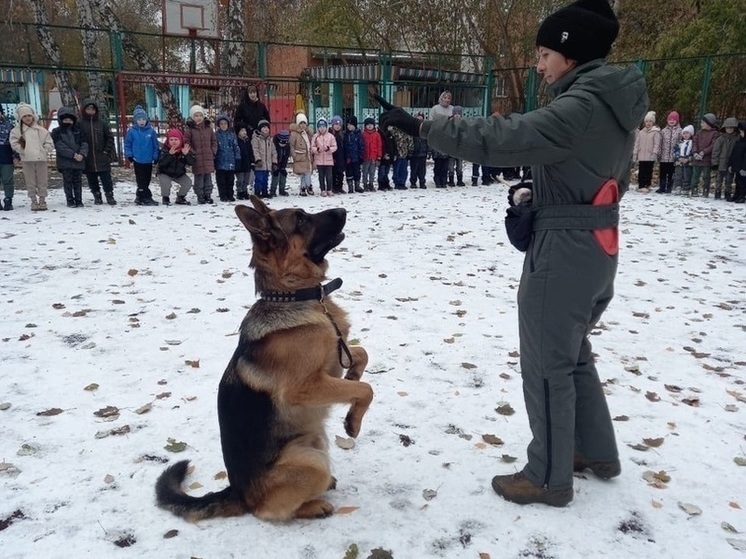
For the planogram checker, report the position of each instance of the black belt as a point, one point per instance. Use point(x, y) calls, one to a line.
point(576, 216)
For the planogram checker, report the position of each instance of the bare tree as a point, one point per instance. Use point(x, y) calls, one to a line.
point(141, 57)
point(52, 50)
point(90, 53)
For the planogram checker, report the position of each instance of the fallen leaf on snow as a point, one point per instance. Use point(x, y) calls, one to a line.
point(344, 442)
point(505, 409)
point(655, 443)
point(691, 510)
point(429, 494)
point(144, 408)
point(91, 387)
point(492, 439)
point(345, 510)
point(50, 412)
point(175, 446)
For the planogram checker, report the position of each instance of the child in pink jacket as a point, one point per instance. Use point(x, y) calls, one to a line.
point(323, 146)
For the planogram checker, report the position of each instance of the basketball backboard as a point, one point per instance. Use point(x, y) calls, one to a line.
point(197, 18)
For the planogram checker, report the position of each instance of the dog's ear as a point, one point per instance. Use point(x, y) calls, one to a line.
point(260, 206)
point(256, 223)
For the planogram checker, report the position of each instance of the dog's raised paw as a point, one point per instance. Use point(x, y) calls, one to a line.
point(317, 508)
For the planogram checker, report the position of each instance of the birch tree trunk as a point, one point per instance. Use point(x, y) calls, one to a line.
point(91, 55)
point(140, 56)
point(232, 57)
point(52, 50)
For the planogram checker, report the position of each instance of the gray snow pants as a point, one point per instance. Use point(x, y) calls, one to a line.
point(567, 283)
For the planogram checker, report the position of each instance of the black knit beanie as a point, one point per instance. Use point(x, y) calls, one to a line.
point(582, 31)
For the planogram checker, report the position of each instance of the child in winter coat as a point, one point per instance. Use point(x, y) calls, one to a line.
point(418, 160)
point(71, 150)
point(721, 154)
point(387, 160)
point(300, 148)
point(646, 151)
point(373, 152)
point(280, 175)
point(682, 177)
point(704, 142)
point(455, 166)
point(141, 148)
point(338, 171)
point(265, 158)
point(101, 152)
point(244, 165)
point(737, 164)
point(7, 159)
point(670, 138)
point(32, 143)
point(173, 160)
point(226, 159)
point(404, 146)
point(323, 146)
point(354, 152)
point(200, 137)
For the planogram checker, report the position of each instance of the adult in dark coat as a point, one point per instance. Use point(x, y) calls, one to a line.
point(579, 147)
point(250, 110)
point(737, 164)
point(101, 152)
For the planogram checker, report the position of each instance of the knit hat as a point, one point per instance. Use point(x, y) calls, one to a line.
point(650, 116)
point(321, 123)
point(458, 110)
point(673, 115)
point(23, 109)
point(336, 119)
point(582, 31)
point(352, 120)
point(688, 128)
point(262, 123)
point(710, 119)
point(283, 135)
point(730, 122)
point(196, 109)
point(139, 113)
point(300, 117)
point(369, 120)
point(174, 133)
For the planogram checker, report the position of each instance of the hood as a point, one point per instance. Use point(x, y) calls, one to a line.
point(224, 117)
point(623, 90)
point(23, 109)
point(93, 102)
point(66, 112)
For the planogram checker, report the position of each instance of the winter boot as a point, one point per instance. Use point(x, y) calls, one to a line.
point(182, 201)
point(166, 200)
point(42, 204)
point(517, 488)
point(705, 192)
point(303, 191)
point(8, 204)
point(69, 196)
point(450, 180)
point(460, 180)
point(350, 187)
point(110, 199)
point(717, 194)
point(358, 188)
point(603, 470)
point(475, 181)
point(78, 195)
point(97, 198)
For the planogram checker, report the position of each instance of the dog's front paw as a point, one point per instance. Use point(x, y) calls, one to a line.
point(352, 425)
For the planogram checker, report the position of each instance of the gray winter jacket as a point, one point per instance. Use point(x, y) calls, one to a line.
point(559, 141)
point(69, 140)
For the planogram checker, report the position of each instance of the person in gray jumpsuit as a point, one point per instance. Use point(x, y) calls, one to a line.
point(579, 148)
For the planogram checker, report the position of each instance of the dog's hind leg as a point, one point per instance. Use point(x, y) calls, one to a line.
point(294, 484)
point(359, 362)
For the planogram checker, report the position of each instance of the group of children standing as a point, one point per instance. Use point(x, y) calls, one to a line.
point(685, 158)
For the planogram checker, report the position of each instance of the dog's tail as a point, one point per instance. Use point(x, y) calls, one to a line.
point(170, 496)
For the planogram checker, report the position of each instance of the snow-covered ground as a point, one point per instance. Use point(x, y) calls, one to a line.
point(117, 324)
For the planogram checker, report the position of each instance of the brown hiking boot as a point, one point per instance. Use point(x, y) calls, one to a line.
point(603, 470)
point(517, 488)
point(42, 204)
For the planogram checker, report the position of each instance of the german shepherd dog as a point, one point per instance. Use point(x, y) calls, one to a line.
point(283, 377)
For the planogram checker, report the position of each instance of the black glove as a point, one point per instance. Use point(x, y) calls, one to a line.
point(257, 163)
point(521, 193)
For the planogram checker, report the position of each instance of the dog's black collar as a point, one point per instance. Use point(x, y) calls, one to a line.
point(317, 293)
